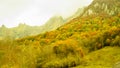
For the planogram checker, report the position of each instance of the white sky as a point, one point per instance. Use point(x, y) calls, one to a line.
point(36, 12)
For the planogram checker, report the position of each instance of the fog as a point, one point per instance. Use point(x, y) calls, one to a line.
point(36, 12)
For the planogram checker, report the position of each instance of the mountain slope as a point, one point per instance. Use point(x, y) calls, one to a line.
point(53, 23)
point(103, 7)
point(23, 30)
point(19, 31)
point(90, 41)
point(76, 14)
point(109, 7)
point(75, 43)
point(71, 43)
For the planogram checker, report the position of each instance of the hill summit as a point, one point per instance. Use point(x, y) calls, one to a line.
point(109, 7)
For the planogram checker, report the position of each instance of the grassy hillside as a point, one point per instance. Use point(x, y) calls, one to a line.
point(107, 57)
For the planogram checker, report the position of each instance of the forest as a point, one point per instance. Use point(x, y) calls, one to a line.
point(83, 42)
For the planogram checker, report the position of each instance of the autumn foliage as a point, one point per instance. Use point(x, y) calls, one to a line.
point(62, 48)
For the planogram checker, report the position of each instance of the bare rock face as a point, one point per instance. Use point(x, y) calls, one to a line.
point(109, 7)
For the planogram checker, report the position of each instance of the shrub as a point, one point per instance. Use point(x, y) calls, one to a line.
point(64, 48)
point(116, 41)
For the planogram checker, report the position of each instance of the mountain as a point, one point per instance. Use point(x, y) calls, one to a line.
point(81, 42)
point(103, 7)
point(23, 30)
point(53, 23)
point(90, 41)
point(109, 7)
point(76, 14)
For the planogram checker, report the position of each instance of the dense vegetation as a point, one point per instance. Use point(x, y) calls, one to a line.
point(71, 45)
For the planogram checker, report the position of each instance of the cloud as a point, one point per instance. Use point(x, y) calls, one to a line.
point(36, 12)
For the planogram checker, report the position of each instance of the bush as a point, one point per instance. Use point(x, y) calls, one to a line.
point(116, 41)
point(62, 54)
point(66, 47)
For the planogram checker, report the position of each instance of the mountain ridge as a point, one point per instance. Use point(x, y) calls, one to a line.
point(109, 7)
point(23, 30)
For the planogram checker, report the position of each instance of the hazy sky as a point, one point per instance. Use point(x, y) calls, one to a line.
point(36, 12)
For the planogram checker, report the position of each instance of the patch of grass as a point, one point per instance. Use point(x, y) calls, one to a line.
point(103, 58)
